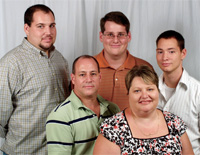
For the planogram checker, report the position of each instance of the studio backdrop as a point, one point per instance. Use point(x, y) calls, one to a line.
point(77, 23)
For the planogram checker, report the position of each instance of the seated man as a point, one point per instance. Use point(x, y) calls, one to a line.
point(73, 126)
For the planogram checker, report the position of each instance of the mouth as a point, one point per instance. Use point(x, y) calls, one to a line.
point(115, 46)
point(165, 64)
point(47, 39)
point(145, 102)
point(88, 87)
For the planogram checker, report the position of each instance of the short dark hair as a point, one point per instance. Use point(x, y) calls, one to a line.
point(143, 71)
point(172, 34)
point(117, 17)
point(28, 15)
point(87, 57)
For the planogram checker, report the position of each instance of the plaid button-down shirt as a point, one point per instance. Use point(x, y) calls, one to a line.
point(31, 85)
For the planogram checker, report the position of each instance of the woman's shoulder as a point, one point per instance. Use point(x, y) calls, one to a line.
point(174, 122)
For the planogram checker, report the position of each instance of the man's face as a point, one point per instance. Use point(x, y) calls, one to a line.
point(169, 56)
point(86, 79)
point(42, 32)
point(114, 46)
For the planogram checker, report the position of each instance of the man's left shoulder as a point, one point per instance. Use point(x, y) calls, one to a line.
point(112, 106)
point(140, 61)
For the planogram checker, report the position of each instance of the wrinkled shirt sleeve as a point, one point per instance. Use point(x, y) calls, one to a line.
point(8, 83)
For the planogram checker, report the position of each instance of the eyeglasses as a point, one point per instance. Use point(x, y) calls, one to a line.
point(119, 36)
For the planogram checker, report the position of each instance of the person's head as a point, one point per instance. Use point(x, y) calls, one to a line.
point(39, 26)
point(170, 51)
point(142, 86)
point(116, 17)
point(85, 76)
point(115, 34)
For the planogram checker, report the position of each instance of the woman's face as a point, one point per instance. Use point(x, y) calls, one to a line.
point(143, 97)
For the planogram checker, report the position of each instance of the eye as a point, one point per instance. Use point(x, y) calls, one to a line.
point(159, 52)
point(150, 89)
point(82, 75)
point(171, 52)
point(93, 74)
point(136, 91)
point(52, 25)
point(40, 26)
point(110, 35)
point(121, 34)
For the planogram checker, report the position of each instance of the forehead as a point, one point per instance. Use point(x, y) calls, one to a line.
point(86, 64)
point(167, 42)
point(112, 26)
point(41, 16)
point(137, 81)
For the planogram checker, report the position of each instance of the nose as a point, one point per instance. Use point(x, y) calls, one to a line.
point(115, 38)
point(144, 94)
point(88, 78)
point(48, 30)
point(165, 56)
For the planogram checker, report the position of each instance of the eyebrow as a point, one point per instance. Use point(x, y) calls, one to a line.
point(167, 49)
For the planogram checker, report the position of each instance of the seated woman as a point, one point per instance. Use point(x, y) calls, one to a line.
point(142, 128)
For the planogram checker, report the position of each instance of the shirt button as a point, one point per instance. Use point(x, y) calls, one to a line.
point(116, 79)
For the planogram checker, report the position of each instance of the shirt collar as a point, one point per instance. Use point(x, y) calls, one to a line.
point(183, 80)
point(29, 47)
point(128, 64)
point(78, 104)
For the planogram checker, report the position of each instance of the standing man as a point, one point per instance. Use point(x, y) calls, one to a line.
point(179, 92)
point(73, 126)
point(34, 79)
point(115, 60)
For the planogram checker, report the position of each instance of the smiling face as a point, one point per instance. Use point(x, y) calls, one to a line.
point(169, 56)
point(86, 78)
point(143, 97)
point(116, 46)
point(42, 32)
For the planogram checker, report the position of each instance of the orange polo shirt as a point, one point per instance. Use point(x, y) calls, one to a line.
point(112, 86)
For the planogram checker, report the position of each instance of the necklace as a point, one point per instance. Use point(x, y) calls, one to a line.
point(149, 134)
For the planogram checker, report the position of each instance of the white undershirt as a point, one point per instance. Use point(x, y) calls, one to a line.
point(168, 92)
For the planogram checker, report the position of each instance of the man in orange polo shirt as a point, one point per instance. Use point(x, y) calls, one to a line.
point(115, 60)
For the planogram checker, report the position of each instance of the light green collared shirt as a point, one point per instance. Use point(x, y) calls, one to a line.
point(72, 128)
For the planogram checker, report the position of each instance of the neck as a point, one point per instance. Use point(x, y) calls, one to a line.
point(172, 79)
point(115, 61)
point(145, 117)
point(92, 104)
point(147, 126)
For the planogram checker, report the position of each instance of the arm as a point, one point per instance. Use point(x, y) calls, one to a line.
point(9, 79)
point(186, 145)
point(104, 146)
point(59, 135)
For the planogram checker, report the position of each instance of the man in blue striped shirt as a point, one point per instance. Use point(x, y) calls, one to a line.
point(73, 126)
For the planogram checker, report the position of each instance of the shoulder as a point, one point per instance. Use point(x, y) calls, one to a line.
point(61, 112)
point(140, 61)
point(113, 121)
point(60, 56)
point(111, 106)
point(175, 122)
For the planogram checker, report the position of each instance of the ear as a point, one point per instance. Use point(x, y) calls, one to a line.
point(100, 76)
point(183, 53)
point(72, 78)
point(26, 29)
point(101, 36)
point(129, 36)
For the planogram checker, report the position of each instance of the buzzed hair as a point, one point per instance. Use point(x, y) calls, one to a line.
point(84, 56)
